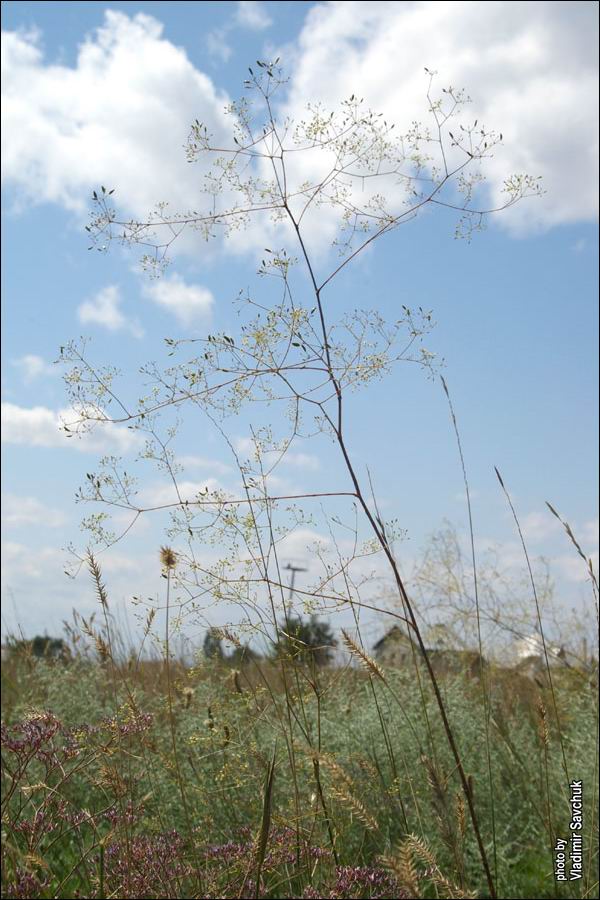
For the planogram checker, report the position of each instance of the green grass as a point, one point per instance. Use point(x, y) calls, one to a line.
point(355, 774)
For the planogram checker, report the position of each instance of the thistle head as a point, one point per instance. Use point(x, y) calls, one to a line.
point(168, 557)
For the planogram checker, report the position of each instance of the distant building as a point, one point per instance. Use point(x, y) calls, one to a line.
point(530, 657)
point(397, 650)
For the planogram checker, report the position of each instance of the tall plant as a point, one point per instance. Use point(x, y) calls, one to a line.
point(346, 173)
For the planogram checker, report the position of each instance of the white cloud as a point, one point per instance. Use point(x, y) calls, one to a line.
point(542, 526)
point(588, 533)
point(120, 563)
point(103, 309)
point(43, 597)
point(507, 554)
point(121, 114)
point(217, 46)
point(539, 526)
point(39, 426)
point(33, 366)
point(189, 303)
point(572, 567)
point(165, 494)
point(529, 67)
point(306, 461)
point(119, 117)
point(508, 557)
point(19, 561)
point(251, 14)
point(300, 547)
point(18, 511)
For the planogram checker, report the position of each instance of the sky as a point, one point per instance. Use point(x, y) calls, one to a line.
point(105, 95)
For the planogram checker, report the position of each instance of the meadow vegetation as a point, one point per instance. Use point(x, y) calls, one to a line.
point(99, 802)
point(299, 770)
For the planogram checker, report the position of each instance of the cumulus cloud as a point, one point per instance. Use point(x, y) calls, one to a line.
point(300, 539)
point(39, 426)
point(103, 309)
point(43, 597)
point(530, 68)
point(300, 548)
point(119, 117)
point(546, 543)
point(33, 366)
point(21, 561)
point(121, 114)
point(251, 14)
point(189, 303)
point(17, 511)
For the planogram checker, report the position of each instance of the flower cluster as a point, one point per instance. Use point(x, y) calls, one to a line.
point(127, 815)
point(24, 886)
point(31, 738)
point(357, 882)
point(149, 866)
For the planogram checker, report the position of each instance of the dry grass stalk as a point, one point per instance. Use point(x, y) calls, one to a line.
point(357, 651)
point(343, 789)
point(451, 821)
point(356, 807)
point(402, 866)
point(102, 648)
point(543, 730)
point(96, 574)
point(412, 851)
point(459, 812)
point(225, 634)
point(587, 559)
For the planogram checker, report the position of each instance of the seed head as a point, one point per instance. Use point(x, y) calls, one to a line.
point(168, 557)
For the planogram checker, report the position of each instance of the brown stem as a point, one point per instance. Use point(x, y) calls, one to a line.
point(381, 537)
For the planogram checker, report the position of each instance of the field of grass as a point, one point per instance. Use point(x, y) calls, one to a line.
point(288, 775)
point(287, 781)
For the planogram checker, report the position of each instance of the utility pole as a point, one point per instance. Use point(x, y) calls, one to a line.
point(293, 570)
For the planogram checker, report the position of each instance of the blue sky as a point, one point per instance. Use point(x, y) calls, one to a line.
point(105, 95)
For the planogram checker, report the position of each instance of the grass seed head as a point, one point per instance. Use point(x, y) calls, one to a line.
point(168, 557)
